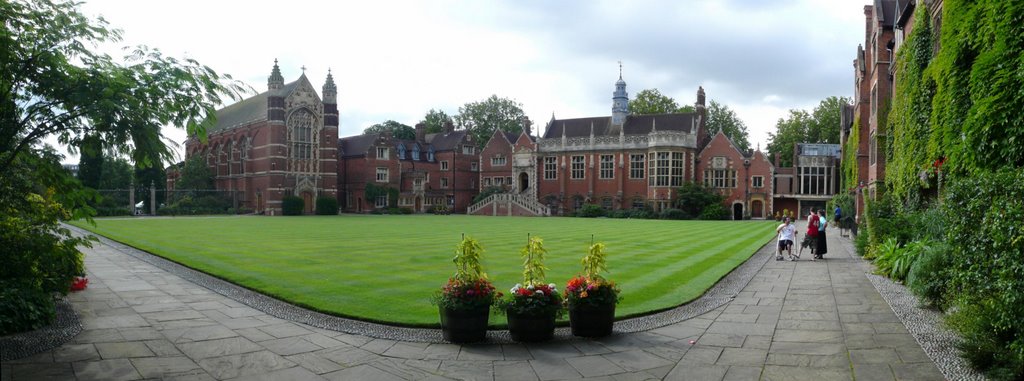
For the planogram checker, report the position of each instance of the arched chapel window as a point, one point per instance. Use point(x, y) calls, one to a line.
point(301, 125)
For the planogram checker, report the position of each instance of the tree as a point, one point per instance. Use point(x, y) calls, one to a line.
point(652, 101)
point(117, 174)
point(51, 84)
point(435, 121)
point(819, 126)
point(693, 198)
point(721, 117)
point(482, 118)
point(90, 162)
point(398, 130)
point(195, 175)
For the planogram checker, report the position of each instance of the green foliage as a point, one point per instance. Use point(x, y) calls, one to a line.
point(482, 118)
point(487, 192)
point(714, 212)
point(850, 165)
point(821, 125)
point(292, 205)
point(844, 201)
point(591, 210)
point(117, 174)
point(54, 85)
point(90, 162)
point(372, 191)
point(202, 203)
point(195, 175)
point(435, 120)
point(652, 101)
point(860, 243)
point(894, 261)
point(469, 288)
point(326, 206)
point(674, 214)
point(398, 130)
point(594, 262)
point(533, 261)
point(929, 276)
point(721, 117)
point(468, 254)
point(985, 230)
point(24, 306)
point(908, 124)
point(886, 219)
point(693, 197)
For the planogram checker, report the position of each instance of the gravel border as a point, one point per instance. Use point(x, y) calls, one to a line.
point(719, 294)
point(927, 328)
point(66, 326)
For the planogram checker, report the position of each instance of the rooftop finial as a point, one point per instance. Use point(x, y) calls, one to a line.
point(303, 67)
point(275, 81)
point(620, 69)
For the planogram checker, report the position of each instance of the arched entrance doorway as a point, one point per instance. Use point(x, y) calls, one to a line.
point(737, 211)
point(307, 200)
point(757, 209)
point(524, 181)
point(419, 204)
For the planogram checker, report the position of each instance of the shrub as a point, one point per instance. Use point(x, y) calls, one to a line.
point(715, 212)
point(591, 210)
point(620, 213)
point(861, 244)
point(24, 306)
point(292, 205)
point(486, 192)
point(929, 276)
point(985, 221)
point(894, 261)
point(886, 219)
point(326, 206)
point(674, 214)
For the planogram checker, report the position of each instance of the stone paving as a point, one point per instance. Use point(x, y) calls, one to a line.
point(803, 320)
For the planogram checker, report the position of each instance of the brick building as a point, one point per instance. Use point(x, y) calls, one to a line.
point(277, 143)
point(619, 162)
point(430, 172)
point(811, 181)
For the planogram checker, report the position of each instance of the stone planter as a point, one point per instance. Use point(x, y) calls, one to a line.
point(464, 326)
point(531, 328)
point(591, 321)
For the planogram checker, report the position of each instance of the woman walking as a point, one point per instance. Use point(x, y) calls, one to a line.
point(821, 248)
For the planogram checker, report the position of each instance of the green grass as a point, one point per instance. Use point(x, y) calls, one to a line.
point(385, 268)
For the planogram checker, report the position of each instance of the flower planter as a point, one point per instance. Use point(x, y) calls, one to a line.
point(531, 328)
point(464, 326)
point(591, 321)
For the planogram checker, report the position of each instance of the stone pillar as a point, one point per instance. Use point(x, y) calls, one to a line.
point(152, 198)
point(131, 197)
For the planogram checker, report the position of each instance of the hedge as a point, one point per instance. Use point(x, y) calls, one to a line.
point(326, 206)
point(292, 205)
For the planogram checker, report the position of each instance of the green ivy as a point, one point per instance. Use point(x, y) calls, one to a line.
point(850, 150)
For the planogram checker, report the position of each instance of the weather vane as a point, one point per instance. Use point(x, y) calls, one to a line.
point(620, 69)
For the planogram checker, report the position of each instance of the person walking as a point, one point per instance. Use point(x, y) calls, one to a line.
point(812, 234)
point(822, 247)
point(838, 219)
point(787, 235)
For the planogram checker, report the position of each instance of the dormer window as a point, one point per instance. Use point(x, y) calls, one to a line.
point(401, 152)
point(468, 150)
point(430, 154)
point(382, 153)
point(415, 152)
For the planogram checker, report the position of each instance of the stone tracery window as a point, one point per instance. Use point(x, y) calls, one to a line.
point(300, 123)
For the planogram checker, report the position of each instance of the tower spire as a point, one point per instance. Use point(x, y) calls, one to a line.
point(275, 81)
point(330, 90)
point(620, 101)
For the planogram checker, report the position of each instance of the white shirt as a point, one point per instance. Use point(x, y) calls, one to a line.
point(787, 232)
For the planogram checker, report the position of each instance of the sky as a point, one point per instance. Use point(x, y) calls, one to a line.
point(398, 59)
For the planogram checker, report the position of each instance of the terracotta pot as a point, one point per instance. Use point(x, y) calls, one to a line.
point(531, 328)
point(464, 326)
point(591, 321)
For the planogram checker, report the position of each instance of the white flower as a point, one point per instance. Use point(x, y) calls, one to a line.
point(539, 292)
point(529, 287)
point(514, 289)
point(551, 286)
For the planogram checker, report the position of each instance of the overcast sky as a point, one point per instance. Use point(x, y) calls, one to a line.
point(398, 59)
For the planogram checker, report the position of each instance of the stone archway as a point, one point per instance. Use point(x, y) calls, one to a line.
point(524, 182)
point(307, 201)
point(737, 211)
point(419, 204)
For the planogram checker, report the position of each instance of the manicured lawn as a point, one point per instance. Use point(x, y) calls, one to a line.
point(385, 268)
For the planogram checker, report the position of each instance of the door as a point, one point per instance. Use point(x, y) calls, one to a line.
point(524, 182)
point(307, 200)
point(757, 209)
point(737, 211)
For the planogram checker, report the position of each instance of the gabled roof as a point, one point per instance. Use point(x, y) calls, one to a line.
point(356, 145)
point(447, 142)
point(250, 110)
point(635, 125)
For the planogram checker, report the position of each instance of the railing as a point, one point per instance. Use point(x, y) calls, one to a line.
point(524, 201)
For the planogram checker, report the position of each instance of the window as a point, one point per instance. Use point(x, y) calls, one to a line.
point(451, 200)
point(499, 181)
point(666, 169)
point(430, 155)
point(300, 123)
point(474, 166)
point(444, 165)
point(606, 203)
point(444, 183)
point(415, 152)
point(873, 149)
point(757, 182)
point(382, 153)
point(636, 166)
point(487, 181)
point(638, 203)
point(720, 178)
point(550, 168)
point(380, 202)
point(508, 180)
point(607, 167)
point(498, 161)
point(401, 152)
point(816, 180)
point(578, 162)
point(382, 174)
point(468, 150)
point(676, 178)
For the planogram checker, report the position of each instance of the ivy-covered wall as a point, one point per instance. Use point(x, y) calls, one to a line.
point(961, 106)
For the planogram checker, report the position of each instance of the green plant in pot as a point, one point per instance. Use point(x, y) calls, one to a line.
point(591, 298)
point(532, 306)
point(465, 301)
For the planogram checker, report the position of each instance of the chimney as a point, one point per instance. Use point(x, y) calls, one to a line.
point(421, 133)
point(448, 127)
